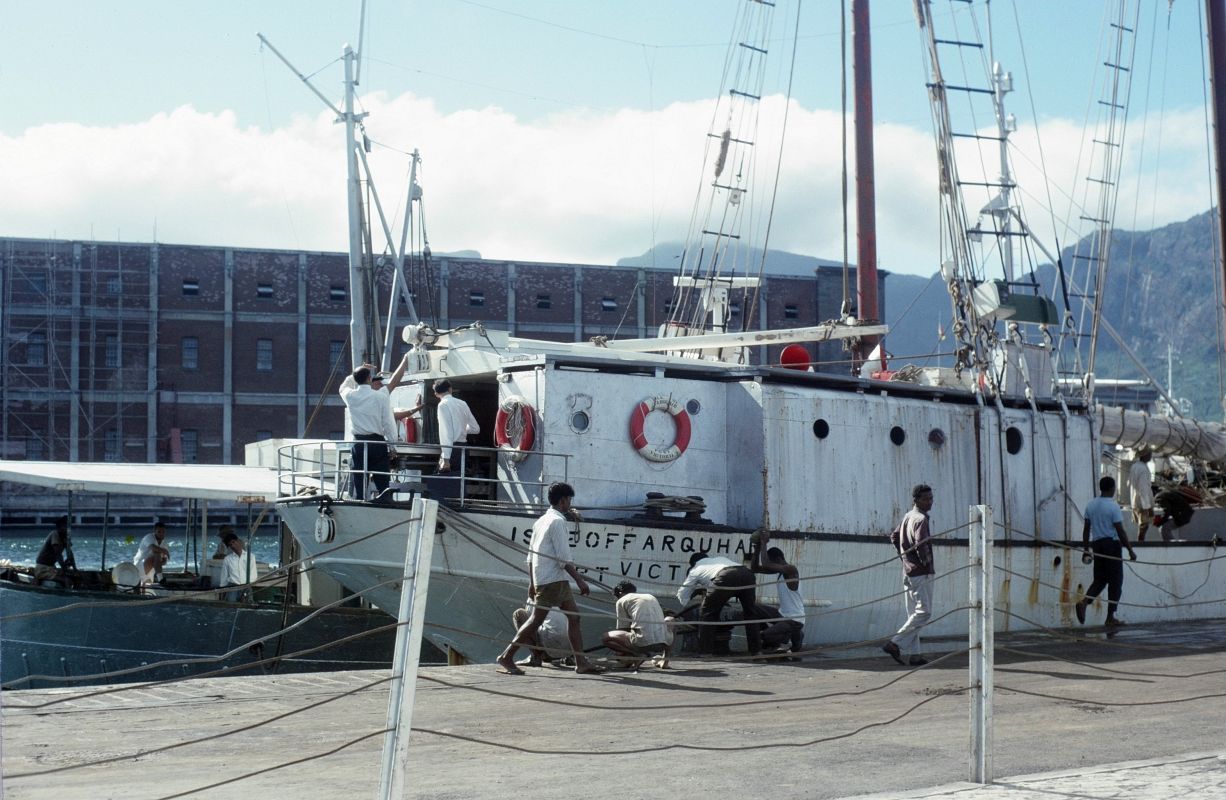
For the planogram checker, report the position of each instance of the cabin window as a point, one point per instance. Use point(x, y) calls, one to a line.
point(111, 449)
point(476, 298)
point(190, 442)
point(263, 291)
point(692, 406)
point(608, 304)
point(898, 435)
point(338, 293)
point(191, 287)
point(189, 349)
point(111, 350)
point(36, 349)
point(821, 428)
point(580, 421)
point(1013, 441)
point(263, 355)
point(791, 312)
point(543, 301)
point(936, 438)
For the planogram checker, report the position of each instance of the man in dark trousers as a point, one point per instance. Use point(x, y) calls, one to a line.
point(369, 407)
point(722, 579)
point(913, 542)
point(1103, 535)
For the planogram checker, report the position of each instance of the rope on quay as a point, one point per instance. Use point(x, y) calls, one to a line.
point(1101, 668)
point(1109, 703)
point(275, 767)
point(200, 739)
point(1066, 635)
point(688, 706)
point(694, 747)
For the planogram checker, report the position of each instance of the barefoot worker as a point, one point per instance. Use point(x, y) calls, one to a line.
point(549, 564)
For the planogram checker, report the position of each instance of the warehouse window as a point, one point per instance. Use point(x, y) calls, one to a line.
point(190, 441)
point(338, 292)
point(111, 450)
point(543, 301)
point(608, 304)
point(476, 298)
point(263, 355)
point(263, 291)
point(336, 351)
point(191, 287)
point(112, 350)
point(190, 350)
point(36, 349)
point(791, 312)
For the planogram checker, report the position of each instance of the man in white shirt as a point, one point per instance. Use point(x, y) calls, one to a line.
point(722, 580)
point(152, 553)
point(1141, 489)
point(552, 640)
point(238, 568)
point(549, 564)
point(789, 629)
point(455, 423)
point(369, 407)
point(642, 630)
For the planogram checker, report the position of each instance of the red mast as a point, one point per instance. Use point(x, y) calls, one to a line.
point(1215, 16)
point(866, 214)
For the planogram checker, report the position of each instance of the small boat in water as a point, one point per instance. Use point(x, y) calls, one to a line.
point(98, 627)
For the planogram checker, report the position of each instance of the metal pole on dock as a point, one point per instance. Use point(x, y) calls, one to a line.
point(420, 546)
point(982, 613)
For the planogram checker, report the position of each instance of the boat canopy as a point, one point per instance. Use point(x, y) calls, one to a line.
point(223, 482)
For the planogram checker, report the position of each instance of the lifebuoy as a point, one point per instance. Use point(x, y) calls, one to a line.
point(680, 418)
point(515, 415)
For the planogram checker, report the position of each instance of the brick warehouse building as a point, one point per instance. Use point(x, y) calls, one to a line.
point(178, 353)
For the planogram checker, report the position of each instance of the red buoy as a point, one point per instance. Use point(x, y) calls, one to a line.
point(795, 356)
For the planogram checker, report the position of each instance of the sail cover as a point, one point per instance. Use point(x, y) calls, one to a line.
point(1165, 435)
point(224, 482)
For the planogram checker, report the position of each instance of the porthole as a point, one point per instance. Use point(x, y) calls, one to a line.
point(936, 438)
point(821, 429)
point(898, 435)
point(1013, 441)
point(693, 406)
point(579, 421)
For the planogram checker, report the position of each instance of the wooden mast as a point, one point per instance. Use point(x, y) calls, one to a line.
point(1215, 16)
point(867, 307)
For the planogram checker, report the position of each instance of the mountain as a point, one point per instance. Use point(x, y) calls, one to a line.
point(1163, 291)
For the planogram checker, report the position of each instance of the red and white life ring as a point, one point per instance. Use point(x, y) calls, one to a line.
point(515, 416)
point(680, 418)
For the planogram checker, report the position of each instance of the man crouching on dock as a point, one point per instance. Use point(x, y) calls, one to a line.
point(549, 564)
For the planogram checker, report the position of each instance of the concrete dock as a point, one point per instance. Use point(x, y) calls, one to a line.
point(1139, 714)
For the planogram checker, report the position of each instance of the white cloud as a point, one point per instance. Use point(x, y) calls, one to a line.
point(588, 187)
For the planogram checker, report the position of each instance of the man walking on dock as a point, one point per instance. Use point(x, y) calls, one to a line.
point(913, 542)
point(549, 564)
point(1103, 534)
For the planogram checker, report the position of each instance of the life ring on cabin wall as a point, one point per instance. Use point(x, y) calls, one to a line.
point(680, 418)
point(515, 426)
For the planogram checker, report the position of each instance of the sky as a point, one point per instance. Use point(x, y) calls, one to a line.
point(550, 130)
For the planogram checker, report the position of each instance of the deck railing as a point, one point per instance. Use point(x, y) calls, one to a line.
point(326, 468)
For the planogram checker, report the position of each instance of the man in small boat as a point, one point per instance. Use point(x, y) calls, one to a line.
point(549, 564)
point(1141, 491)
point(369, 406)
point(642, 629)
point(238, 569)
point(152, 553)
point(55, 557)
point(455, 423)
point(912, 540)
point(789, 629)
point(1103, 535)
point(721, 580)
